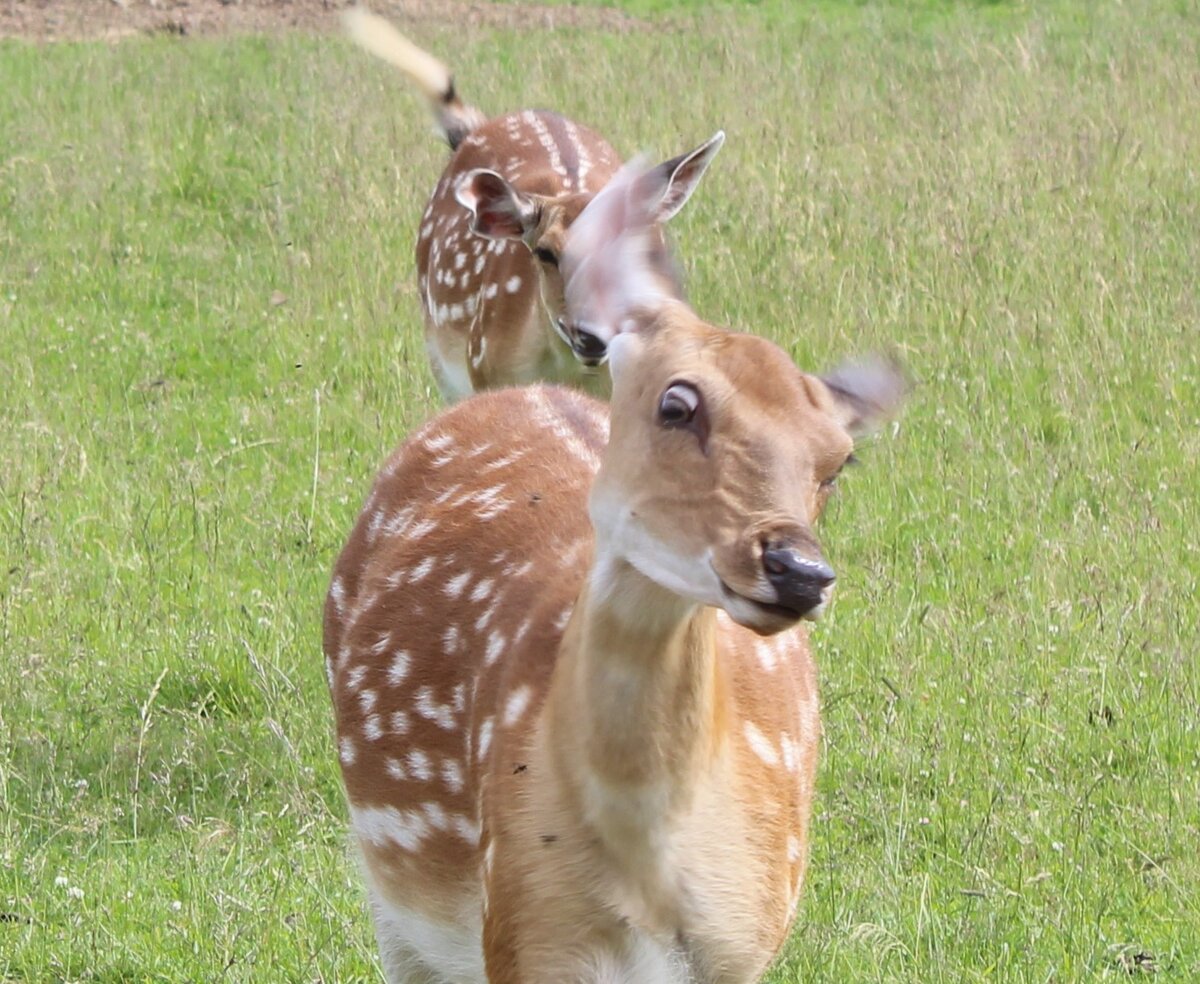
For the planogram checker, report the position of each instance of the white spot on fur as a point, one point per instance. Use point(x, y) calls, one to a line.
point(495, 646)
point(485, 738)
point(366, 700)
point(516, 705)
point(487, 615)
point(791, 752)
point(482, 589)
point(399, 722)
point(522, 629)
point(372, 729)
point(467, 829)
point(518, 570)
point(398, 669)
point(491, 291)
point(441, 714)
point(512, 285)
point(438, 442)
point(347, 751)
point(419, 530)
point(354, 678)
point(514, 455)
point(760, 745)
point(384, 825)
point(454, 587)
point(419, 765)
point(421, 571)
point(337, 592)
point(452, 775)
point(436, 815)
point(450, 640)
point(395, 769)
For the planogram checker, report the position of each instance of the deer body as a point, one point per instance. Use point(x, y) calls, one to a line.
point(587, 781)
point(497, 224)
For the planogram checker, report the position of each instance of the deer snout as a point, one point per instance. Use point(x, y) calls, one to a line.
point(800, 580)
point(589, 348)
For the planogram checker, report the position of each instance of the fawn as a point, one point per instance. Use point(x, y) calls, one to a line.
point(496, 225)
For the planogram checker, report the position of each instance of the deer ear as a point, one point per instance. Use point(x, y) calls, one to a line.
point(497, 209)
point(866, 394)
point(680, 175)
point(607, 263)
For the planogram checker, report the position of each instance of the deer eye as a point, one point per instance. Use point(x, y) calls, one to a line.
point(678, 405)
point(832, 479)
point(547, 256)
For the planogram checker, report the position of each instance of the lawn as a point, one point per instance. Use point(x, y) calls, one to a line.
point(210, 338)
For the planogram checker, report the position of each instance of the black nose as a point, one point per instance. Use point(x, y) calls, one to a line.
point(589, 347)
point(798, 580)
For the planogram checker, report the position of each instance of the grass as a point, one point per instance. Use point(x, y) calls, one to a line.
point(210, 338)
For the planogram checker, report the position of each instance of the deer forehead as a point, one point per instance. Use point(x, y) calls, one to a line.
point(754, 395)
point(556, 217)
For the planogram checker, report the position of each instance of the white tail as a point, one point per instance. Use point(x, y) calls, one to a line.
point(496, 225)
point(576, 711)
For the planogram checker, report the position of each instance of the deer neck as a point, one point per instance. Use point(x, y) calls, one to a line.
point(633, 717)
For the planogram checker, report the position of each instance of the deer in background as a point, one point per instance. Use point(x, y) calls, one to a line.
point(497, 222)
point(576, 710)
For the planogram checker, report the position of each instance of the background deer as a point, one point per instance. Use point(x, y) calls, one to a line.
point(495, 227)
point(584, 751)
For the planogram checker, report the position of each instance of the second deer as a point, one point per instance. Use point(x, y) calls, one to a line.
point(496, 225)
point(576, 710)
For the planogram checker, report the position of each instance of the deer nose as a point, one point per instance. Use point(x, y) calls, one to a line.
point(587, 346)
point(799, 581)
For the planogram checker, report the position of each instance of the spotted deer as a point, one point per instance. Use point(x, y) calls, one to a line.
point(496, 225)
point(576, 708)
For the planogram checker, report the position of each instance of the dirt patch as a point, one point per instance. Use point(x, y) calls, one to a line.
point(112, 20)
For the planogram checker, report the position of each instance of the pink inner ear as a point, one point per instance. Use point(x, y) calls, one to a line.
point(498, 212)
point(497, 222)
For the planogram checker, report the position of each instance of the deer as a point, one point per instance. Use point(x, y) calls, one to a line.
point(495, 227)
point(576, 709)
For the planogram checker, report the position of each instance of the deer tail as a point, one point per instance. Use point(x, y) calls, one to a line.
point(455, 118)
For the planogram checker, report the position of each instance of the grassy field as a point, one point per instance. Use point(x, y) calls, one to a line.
point(209, 338)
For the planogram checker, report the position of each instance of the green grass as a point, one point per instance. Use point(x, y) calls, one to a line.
point(1010, 788)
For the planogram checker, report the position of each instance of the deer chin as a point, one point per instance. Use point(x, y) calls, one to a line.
point(766, 617)
point(684, 581)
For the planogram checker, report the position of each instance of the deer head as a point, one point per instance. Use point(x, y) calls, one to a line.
point(728, 452)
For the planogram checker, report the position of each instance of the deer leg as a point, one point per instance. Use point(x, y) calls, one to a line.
point(401, 963)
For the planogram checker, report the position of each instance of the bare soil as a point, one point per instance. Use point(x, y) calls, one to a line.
point(43, 21)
